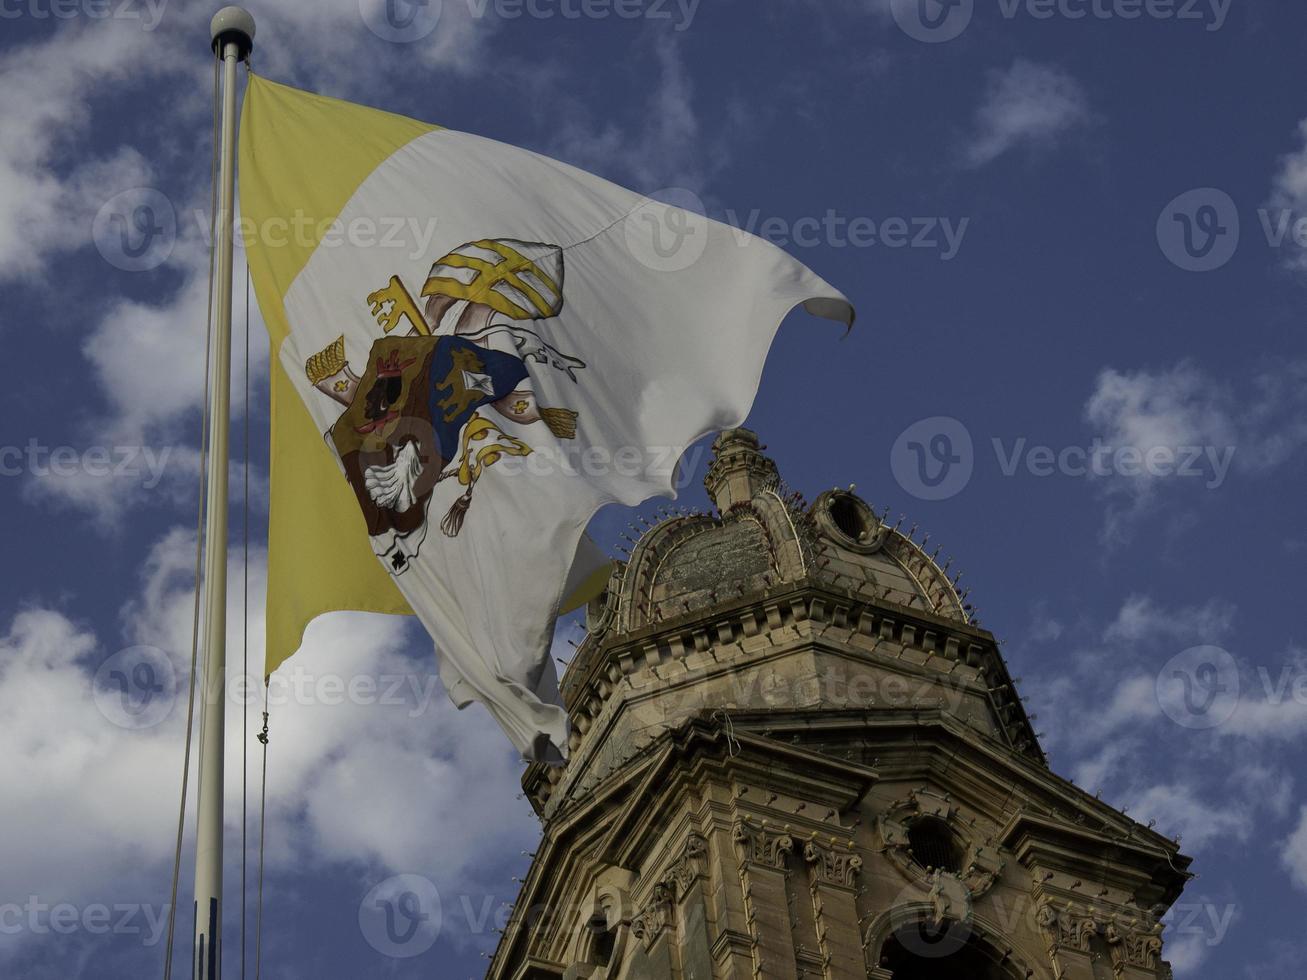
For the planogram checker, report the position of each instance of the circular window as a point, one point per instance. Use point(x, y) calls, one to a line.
point(933, 845)
point(845, 518)
point(851, 516)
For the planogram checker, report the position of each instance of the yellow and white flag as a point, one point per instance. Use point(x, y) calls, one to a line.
point(475, 347)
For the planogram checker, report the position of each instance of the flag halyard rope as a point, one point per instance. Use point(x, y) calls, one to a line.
point(263, 813)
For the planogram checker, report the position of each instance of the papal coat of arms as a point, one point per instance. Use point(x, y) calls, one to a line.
point(429, 403)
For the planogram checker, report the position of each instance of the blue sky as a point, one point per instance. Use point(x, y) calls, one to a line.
point(1070, 232)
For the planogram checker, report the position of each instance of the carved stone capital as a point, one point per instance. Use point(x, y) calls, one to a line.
point(1142, 948)
point(761, 846)
point(690, 866)
point(655, 918)
point(1130, 940)
point(832, 864)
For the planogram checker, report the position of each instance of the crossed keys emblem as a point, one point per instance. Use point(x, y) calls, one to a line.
point(392, 303)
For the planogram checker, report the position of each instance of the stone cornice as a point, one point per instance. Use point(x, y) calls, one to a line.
point(703, 742)
point(1137, 860)
point(600, 668)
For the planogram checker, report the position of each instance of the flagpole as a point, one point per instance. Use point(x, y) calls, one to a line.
point(232, 33)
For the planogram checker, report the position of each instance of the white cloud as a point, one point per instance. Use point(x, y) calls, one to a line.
point(1203, 428)
point(1181, 811)
point(1186, 952)
point(669, 148)
point(55, 85)
point(1179, 406)
point(1045, 628)
point(1108, 731)
point(1275, 957)
point(147, 359)
point(1289, 195)
point(1110, 697)
point(1135, 699)
point(1273, 701)
point(1027, 104)
point(328, 45)
point(372, 768)
point(1093, 773)
point(1142, 619)
point(1184, 406)
point(51, 88)
point(1295, 851)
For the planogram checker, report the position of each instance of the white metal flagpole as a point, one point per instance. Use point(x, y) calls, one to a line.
point(232, 31)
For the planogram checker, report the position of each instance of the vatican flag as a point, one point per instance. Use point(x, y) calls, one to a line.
point(474, 348)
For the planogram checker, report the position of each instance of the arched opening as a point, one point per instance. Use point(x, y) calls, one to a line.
point(933, 844)
point(602, 940)
point(851, 516)
point(915, 952)
point(1100, 959)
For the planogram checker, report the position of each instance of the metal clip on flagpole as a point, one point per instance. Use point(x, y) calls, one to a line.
point(232, 31)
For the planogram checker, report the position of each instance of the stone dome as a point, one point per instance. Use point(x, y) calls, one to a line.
point(754, 605)
point(761, 536)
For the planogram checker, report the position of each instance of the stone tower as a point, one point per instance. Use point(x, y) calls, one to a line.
point(794, 755)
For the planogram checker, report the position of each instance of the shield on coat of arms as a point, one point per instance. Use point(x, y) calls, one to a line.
point(409, 411)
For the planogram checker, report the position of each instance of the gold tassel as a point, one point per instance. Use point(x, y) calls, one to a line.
point(561, 422)
point(326, 362)
point(453, 522)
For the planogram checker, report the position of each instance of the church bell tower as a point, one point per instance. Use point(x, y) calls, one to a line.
point(794, 755)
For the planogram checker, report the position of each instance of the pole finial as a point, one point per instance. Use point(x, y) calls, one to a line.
point(232, 25)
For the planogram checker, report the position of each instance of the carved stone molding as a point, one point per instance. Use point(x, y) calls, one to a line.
point(1143, 948)
point(1132, 941)
point(761, 846)
point(690, 866)
point(655, 918)
point(981, 864)
point(832, 864)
